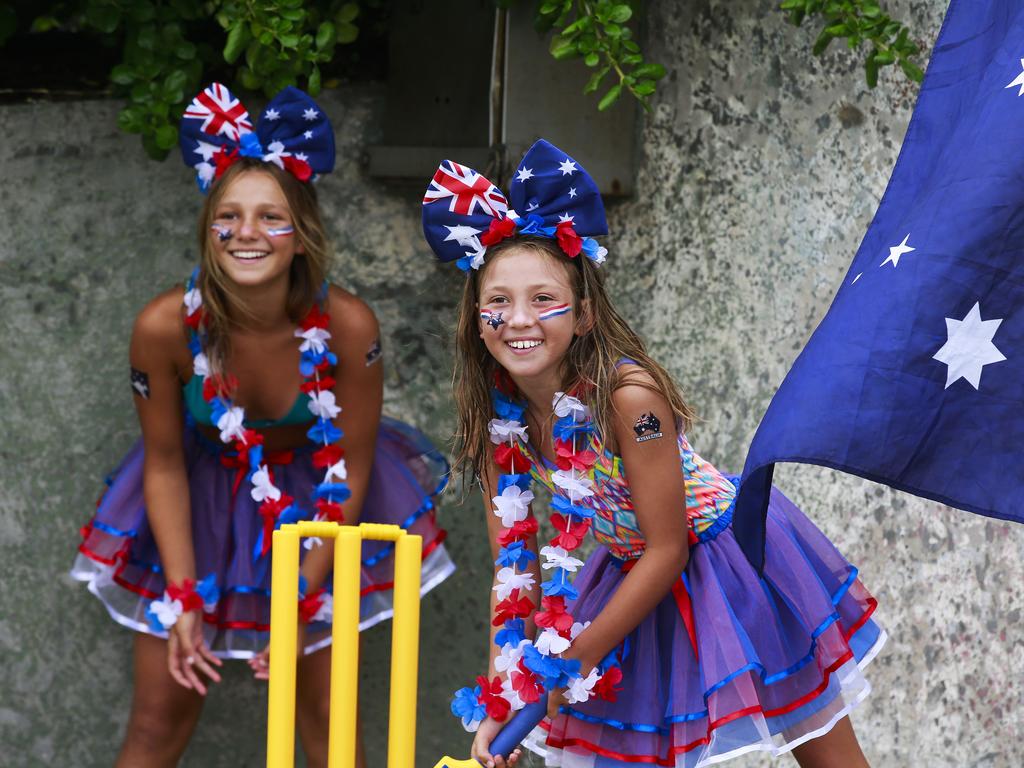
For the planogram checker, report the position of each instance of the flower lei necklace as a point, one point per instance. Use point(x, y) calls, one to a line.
point(276, 507)
point(534, 667)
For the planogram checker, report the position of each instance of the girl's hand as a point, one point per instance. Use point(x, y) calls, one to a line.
point(485, 734)
point(555, 700)
point(187, 654)
point(260, 663)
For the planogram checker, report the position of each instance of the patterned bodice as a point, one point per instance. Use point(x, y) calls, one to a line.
point(709, 498)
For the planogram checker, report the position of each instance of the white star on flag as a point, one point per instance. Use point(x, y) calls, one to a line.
point(567, 167)
point(310, 114)
point(302, 156)
point(533, 205)
point(206, 150)
point(523, 174)
point(572, 191)
point(271, 114)
point(969, 347)
point(565, 217)
point(463, 235)
point(895, 251)
point(1019, 81)
point(308, 134)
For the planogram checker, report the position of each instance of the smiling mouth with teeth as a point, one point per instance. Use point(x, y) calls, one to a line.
point(524, 344)
point(248, 255)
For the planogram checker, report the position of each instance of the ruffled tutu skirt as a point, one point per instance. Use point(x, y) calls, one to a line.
point(118, 557)
point(772, 661)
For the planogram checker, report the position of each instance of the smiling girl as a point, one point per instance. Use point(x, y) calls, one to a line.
point(668, 648)
point(258, 388)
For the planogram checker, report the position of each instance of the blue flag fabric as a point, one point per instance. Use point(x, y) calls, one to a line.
point(915, 378)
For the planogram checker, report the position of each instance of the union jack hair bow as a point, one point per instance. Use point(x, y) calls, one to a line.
point(551, 195)
point(293, 133)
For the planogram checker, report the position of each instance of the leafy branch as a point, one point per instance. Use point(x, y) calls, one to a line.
point(860, 21)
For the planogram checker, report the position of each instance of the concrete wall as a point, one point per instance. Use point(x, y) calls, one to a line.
point(761, 168)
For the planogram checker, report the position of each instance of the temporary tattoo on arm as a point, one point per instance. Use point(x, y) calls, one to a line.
point(647, 427)
point(493, 319)
point(223, 233)
point(561, 309)
point(281, 231)
point(375, 352)
point(140, 383)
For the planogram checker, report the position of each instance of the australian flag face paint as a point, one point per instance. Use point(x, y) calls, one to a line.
point(223, 233)
point(281, 231)
point(561, 309)
point(493, 319)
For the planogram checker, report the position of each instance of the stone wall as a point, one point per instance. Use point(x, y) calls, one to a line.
point(761, 168)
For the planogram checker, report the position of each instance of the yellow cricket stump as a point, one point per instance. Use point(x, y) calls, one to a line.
point(405, 630)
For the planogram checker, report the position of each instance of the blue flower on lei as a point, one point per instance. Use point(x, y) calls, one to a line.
point(513, 633)
point(566, 507)
point(467, 706)
point(515, 555)
point(555, 672)
point(507, 481)
point(559, 584)
point(566, 427)
point(505, 407)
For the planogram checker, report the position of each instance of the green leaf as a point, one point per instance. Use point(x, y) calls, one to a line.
point(645, 88)
point(238, 38)
point(293, 14)
point(313, 86)
point(289, 41)
point(146, 38)
point(549, 7)
point(325, 35)
point(166, 136)
point(347, 33)
point(633, 58)
point(613, 31)
point(595, 80)
point(885, 57)
point(249, 79)
point(130, 119)
point(44, 24)
point(347, 12)
point(822, 43)
point(650, 71)
point(911, 70)
point(592, 60)
point(871, 72)
point(620, 14)
point(122, 74)
point(102, 15)
point(838, 30)
point(152, 148)
point(561, 48)
point(609, 98)
point(185, 50)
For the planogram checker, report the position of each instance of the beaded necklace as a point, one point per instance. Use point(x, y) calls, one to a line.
point(533, 667)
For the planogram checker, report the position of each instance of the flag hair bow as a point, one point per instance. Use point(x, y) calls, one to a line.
point(293, 133)
point(550, 196)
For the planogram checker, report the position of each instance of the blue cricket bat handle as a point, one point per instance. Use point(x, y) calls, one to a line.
point(518, 727)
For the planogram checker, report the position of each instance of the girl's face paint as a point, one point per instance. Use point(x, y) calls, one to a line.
point(557, 311)
point(281, 231)
point(223, 233)
point(493, 319)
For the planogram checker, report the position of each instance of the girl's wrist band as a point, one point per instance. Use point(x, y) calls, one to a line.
point(163, 613)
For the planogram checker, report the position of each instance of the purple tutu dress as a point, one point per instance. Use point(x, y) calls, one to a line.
point(119, 561)
point(729, 662)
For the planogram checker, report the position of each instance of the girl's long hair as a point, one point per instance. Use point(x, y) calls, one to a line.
point(223, 307)
point(589, 367)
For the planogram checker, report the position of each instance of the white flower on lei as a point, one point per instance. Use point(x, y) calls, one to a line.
point(575, 486)
point(262, 487)
point(503, 430)
point(577, 628)
point(599, 257)
point(205, 172)
point(581, 688)
point(167, 611)
point(315, 339)
point(337, 472)
point(200, 365)
point(550, 643)
point(193, 300)
point(565, 405)
point(231, 424)
point(323, 404)
point(509, 694)
point(310, 542)
point(558, 557)
point(509, 656)
point(512, 505)
point(509, 579)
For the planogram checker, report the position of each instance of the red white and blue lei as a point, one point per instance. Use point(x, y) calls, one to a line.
point(531, 668)
point(276, 507)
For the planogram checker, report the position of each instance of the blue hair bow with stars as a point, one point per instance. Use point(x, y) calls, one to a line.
point(551, 195)
point(293, 134)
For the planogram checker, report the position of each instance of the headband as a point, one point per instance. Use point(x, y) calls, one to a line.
point(551, 196)
point(293, 134)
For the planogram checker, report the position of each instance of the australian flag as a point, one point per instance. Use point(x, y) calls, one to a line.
point(915, 378)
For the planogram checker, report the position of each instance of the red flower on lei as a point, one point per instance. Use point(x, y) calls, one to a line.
point(605, 687)
point(498, 230)
point(569, 535)
point(490, 696)
point(568, 240)
point(520, 531)
point(554, 615)
point(186, 593)
point(525, 684)
point(567, 458)
point(511, 459)
point(513, 607)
